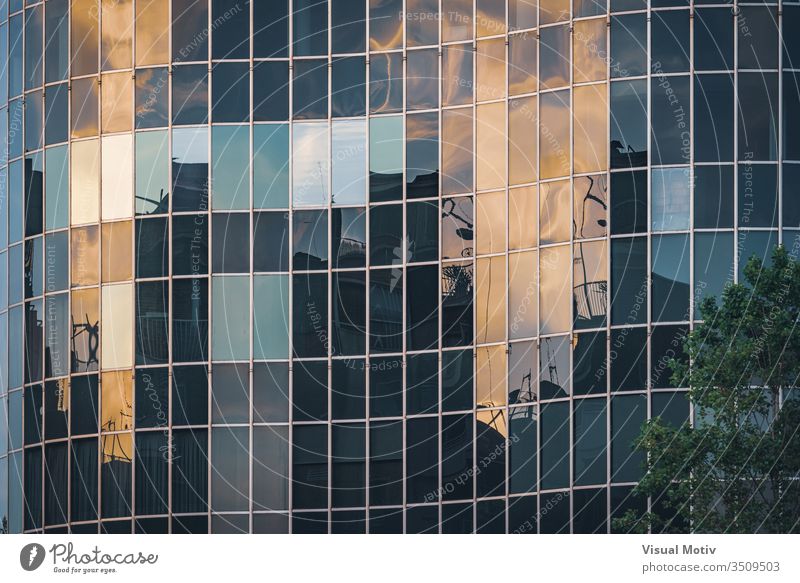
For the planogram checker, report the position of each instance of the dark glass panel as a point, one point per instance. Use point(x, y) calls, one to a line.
point(590, 513)
point(152, 247)
point(348, 318)
point(32, 487)
point(190, 244)
point(310, 466)
point(348, 389)
point(271, 29)
point(422, 307)
point(457, 469)
point(555, 458)
point(56, 482)
point(490, 453)
point(758, 116)
point(310, 20)
point(386, 83)
point(310, 391)
point(56, 41)
point(386, 387)
point(189, 395)
point(422, 79)
point(152, 482)
point(230, 469)
point(628, 45)
point(152, 397)
point(386, 463)
point(230, 97)
point(56, 116)
point(422, 231)
point(310, 315)
point(457, 380)
point(629, 124)
point(348, 87)
point(713, 123)
point(386, 234)
point(270, 241)
point(152, 97)
point(457, 519)
point(628, 413)
point(522, 450)
point(554, 367)
point(348, 522)
point(84, 403)
point(348, 465)
point(230, 394)
point(231, 29)
point(666, 343)
point(713, 39)
point(758, 37)
point(629, 281)
point(115, 476)
point(83, 479)
point(713, 265)
point(671, 407)
point(386, 310)
point(348, 26)
point(671, 123)
point(422, 161)
point(758, 195)
point(190, 30)
point(310, 88)
point(386, 521)
point(270, 392)
point(270, 469)
point(589, 420)
point(34, 194)
point(349, 239)
point(670, 278)
point(628, 359)
point(629, 202)
point(271, 91)
point(231, 236)
point(33, 414)
point(669, 42)
point(522, 515)
point(190, 94)
point(310, 245)
point(189, 472)
point(457, 304)
point(589, 363)
point(713, 197)
point(189, 320)
point(152, 322)
point(422, 384)
point(791, 204)
point(422, 520)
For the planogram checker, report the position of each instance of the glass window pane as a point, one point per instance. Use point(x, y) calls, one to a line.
point(349, 161)
point(271, 166)
point(628, 281)
point(491, 299)
point(152, 97)
point(491, 146)
point(523, 317)
point(117, 100)
point(628, 124)
point(554, 57)
point(554, 289)
point(713, 123)
point(117, 177)
point(310, 89)
point(310, 168)
point(348, 91)
point(85, 36)
point(230, 92)
point(190, 169)
point(271, 91)
point(589, 50)
point(310, 24)
point(190, 94)
point(385, 158)
point(85, 94)
point(422, 79)
point(554, 140)
point(116, 251)
point(117, 340)
point(670, 278)
point(590, 283)
point(386, 83)
point(671, 198)
point(457, 74)
point(522, 135)
point(591, 136)
point(230, 174)
point(152, 40)
point(85, 182)
point(270, 316)
point(230, 318)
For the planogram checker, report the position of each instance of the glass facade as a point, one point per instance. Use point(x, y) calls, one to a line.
point(369, 265)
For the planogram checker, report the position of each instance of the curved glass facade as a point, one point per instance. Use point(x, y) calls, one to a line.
point(369, 265)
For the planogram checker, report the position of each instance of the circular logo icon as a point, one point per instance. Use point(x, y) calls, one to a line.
point(31, 556)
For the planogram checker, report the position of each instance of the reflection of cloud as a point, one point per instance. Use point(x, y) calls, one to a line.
point(117, 30)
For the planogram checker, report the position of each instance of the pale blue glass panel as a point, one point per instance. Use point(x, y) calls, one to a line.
point(349, 161)
point(310, 159)
point(271, 166)
point(270, 316)
point(671, 196)
point(230, 318)
point(230, 175)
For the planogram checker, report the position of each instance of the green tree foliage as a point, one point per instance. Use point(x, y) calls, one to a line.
point(737, 469)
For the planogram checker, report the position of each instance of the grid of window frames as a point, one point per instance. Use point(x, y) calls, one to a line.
point(369, 266)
